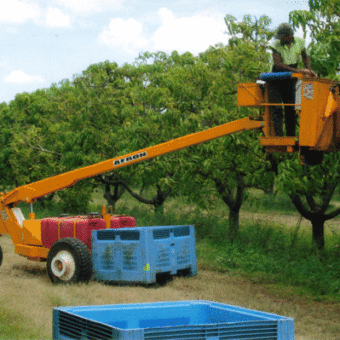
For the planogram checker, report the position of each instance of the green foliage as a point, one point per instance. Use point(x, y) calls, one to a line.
point(235, 162)
point(317, 180)
point(76, 200)
point(6, 123)
point(110, 110)
point(259, 201)
point(254, 31)
point(311, 191)
point(322, 21)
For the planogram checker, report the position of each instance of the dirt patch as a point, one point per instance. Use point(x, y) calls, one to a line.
point(25, 288)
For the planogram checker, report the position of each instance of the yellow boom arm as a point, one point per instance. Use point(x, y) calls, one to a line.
point(30, 192)
point(26, 234)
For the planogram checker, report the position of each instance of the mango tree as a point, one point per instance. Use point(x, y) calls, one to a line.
point(234, 162)
point(155, 120)
point(72, 124)
point(35, 151)
point(7, 123)
point(311, 191)
point(100, 109)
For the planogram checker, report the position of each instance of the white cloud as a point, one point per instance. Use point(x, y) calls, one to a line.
point(124, 34)
point(90, 6)
point(194, 34)
point(166, 15)
point(56, 18)
point(17, 12)
point(20, 77)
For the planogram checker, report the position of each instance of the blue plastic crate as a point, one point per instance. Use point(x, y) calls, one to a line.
point(199, 320)
point(138, 254)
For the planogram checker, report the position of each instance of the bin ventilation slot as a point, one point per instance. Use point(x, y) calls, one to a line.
point(130, 261)
point(78, 328)
point(107, 258)
point(183, 258)
point(163, 259)
point(103, 235)
point(129, 235)
point(180, 232)
point(161, 233)
point(266, 330)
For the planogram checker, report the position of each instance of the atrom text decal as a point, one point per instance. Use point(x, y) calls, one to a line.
point(130, 158)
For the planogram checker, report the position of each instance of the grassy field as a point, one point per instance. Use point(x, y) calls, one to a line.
point(271, 266)
point(274, 244)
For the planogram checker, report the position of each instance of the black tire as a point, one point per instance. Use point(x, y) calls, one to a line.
point(1, 255)
point(69, 261)
point(311, 157)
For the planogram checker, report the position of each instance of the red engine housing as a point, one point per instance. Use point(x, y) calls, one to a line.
point(80, 227)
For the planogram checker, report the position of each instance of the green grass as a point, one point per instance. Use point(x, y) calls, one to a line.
point(268, 256)
point(267, 253)
point(257, 201)
point(14, 326)
point(262, 252)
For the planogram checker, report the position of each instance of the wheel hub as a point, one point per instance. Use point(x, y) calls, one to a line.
point(63, 265)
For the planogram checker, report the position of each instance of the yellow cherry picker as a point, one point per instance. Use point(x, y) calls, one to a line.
point(66, 247)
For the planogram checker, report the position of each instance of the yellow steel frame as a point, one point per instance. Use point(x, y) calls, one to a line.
point(319, 112)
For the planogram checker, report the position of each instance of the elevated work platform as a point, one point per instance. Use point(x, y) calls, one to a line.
point(280, 144)
point(317, 104)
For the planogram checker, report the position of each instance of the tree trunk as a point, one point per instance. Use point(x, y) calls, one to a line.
point(318, 232)
point(158, 202)
point(316, 218)
point(233, 201)
point(234, 216)
point(112, 199)
point(159, 213)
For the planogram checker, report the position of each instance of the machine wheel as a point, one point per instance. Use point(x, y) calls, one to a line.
point(69, 261)
point(1, 256)
point(310, 157)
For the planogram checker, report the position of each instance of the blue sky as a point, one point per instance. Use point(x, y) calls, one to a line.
point(44, 42)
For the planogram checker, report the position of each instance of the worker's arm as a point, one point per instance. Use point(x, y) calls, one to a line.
point(283, 67)
point(306, 62)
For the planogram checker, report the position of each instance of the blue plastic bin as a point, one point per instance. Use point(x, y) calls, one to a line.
point(199, 320)
point(138, 254)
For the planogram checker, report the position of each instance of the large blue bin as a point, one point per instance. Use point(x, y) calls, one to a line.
point(195, 320)
point(138, 254)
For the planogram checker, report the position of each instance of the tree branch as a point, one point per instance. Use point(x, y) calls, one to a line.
point(311, 202)
point(300, 207)
point(326, 198)
point(138, 197)
point(40, 148)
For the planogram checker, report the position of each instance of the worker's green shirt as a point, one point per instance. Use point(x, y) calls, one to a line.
point(289, 55)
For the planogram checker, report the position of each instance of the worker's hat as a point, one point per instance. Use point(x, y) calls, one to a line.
point(283, 30)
